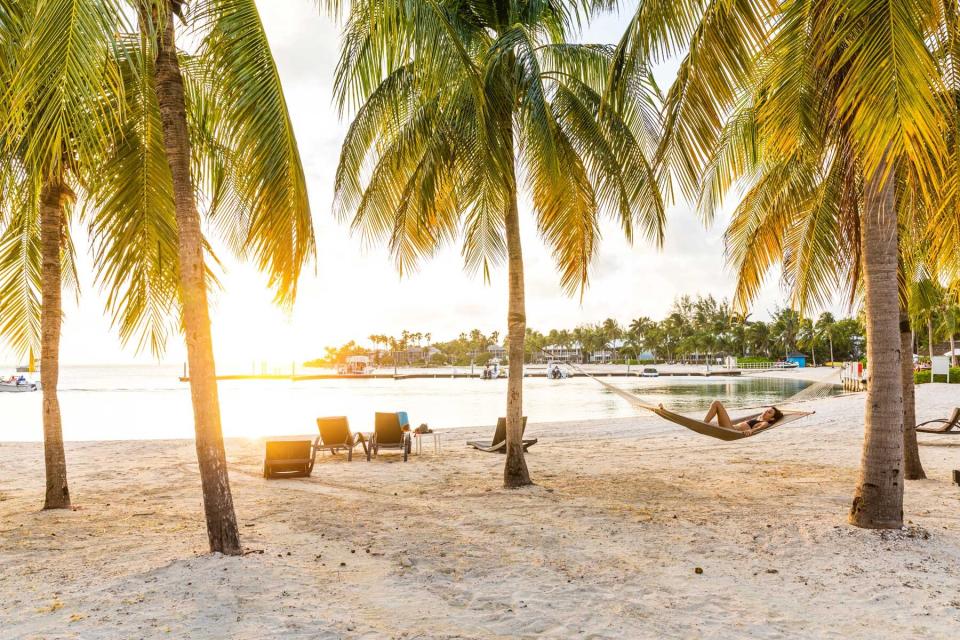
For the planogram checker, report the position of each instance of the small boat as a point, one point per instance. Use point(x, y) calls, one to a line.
point(492, 370)
point(17, 385)
point(649, 372)
point(355, 366)
point(554, 372)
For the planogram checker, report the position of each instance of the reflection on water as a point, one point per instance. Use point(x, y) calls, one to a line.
point(119, 403)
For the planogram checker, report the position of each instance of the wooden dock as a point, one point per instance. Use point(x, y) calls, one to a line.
point(418, 376)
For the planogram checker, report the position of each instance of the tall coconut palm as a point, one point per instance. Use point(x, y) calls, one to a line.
point(245, 155)
point(58, 115)
point(461, 107)
point(815, 81)
point(257, 183)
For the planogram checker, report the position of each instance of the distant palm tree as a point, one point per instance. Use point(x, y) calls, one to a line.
point(461, 105)
point(825, 327)
point(950, 326)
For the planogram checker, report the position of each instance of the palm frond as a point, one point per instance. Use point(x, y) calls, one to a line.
point(256, 125)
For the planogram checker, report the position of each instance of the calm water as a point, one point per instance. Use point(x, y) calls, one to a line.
point(118, 403)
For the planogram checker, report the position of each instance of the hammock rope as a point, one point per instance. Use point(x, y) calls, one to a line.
point(817, 390)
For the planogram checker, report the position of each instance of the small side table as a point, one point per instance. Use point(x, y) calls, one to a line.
point(418, 438)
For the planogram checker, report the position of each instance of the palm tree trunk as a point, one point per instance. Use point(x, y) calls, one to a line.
point(830, 338)
point(930, 337)
point(878, 500)
point(51, 244)
point(912, 466)
point(217, 499)
point(515, 473)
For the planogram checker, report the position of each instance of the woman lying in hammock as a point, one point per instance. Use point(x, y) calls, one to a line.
point(765, 419)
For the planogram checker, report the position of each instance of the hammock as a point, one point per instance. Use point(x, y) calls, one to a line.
point(704, 428)
point(722, 433)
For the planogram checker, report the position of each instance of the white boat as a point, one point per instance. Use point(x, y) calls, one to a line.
point(492, 370)
point(554, 372)
point(785, 365)
point(19, 385)
point(649, 372)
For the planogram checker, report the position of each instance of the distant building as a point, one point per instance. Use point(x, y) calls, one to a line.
point(405, 357)
point(609, 353)
point(496, 351)
point(558, 353)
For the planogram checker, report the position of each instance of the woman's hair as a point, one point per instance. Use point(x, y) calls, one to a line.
point(777, 414)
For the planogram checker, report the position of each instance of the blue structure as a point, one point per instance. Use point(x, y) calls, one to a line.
point(798, 358)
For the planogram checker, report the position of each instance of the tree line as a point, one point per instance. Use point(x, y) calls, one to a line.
point(694, 328)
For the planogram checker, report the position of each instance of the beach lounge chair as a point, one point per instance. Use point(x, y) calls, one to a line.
point(389, 434)
point(335, 435)
point(499, 443)
point(949, 426)
point(289, 456)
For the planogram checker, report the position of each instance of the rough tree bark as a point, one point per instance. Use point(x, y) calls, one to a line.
point(515, 473)
point(878, 500)
point(912, 466)
point(217, 500)
point(52, 199)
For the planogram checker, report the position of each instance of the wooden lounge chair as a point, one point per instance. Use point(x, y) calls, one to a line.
point(388, 434)
point(499, 443)
point(335, 435)
point(949, 426)
point(289, 456)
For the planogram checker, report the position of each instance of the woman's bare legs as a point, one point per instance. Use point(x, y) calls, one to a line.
point(718, 411)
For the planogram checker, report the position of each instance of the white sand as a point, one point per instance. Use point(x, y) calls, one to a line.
point(605, 546)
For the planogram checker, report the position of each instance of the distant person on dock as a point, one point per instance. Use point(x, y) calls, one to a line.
point(765, 419)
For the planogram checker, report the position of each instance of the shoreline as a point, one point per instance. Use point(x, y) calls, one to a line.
point(605, 545)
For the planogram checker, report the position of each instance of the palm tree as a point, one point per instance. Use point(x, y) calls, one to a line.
point(824, 328)
point(271, 216)
point(460, 106)
point(249, 164)
point(950, 325)
point(813, 87)
point(53, 140)
point(787, 327)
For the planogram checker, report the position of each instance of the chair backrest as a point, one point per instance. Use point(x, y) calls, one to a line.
point(955, 417)
point(279, 450)
point(500, 435)
point(387, 428)
point(334, 430)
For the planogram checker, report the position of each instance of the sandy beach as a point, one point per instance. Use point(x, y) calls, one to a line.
point(610, 543)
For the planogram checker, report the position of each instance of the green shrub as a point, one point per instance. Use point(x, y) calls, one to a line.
point(923, 377)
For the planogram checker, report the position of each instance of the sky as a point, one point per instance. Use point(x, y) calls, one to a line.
point(353, 291)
